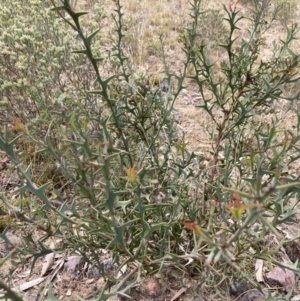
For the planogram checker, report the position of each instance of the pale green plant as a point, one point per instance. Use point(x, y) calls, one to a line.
point(37, 71)
point(287, 11)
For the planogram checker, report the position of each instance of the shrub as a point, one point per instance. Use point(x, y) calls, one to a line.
point(37, 73)
point(133, 187)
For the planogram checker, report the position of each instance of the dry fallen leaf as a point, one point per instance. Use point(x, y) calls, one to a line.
point(48, 262)
point(24, 274)
point(259, 270)
point(29, 284)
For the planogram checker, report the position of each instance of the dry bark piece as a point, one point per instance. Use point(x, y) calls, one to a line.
point(58, 265)
point(180, 292)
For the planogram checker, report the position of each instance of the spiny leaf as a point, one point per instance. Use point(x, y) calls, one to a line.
point(89, 39)
point(9, 148)
point(80, 51)
point(78, 15)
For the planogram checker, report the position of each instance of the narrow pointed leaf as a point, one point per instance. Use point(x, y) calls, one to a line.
point(80, 52)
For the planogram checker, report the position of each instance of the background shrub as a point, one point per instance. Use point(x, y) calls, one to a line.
point(287, 11)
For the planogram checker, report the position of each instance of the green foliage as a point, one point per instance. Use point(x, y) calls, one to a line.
point(131, 185)
point(38, 74)
point(32, 57)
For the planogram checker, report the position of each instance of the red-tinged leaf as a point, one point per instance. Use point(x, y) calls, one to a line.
point(19, 127)
point(194, 227)
point(198, 230)
point(286, 140)
point(237, 211)
point(237, 199)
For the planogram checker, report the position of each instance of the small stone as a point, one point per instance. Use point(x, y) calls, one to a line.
point(236, 289)
point(296, 298)
point(282, 278)
point(72, 265)
point(15, 241)
point(292, 249)
point(93, 272)
point(108, 267)
point(253, 295)
point(100, 282)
